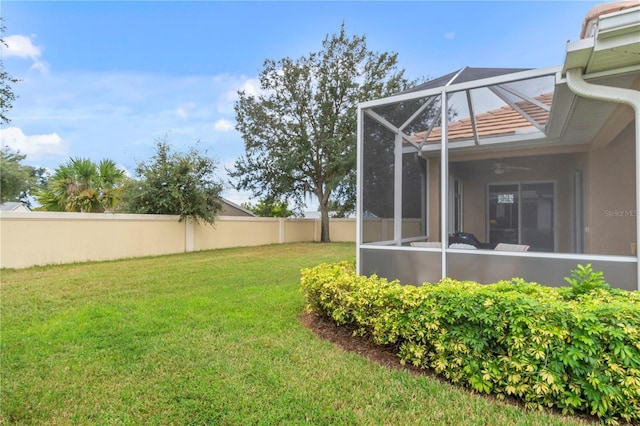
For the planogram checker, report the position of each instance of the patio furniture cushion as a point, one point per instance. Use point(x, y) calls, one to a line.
point(462, 246)
point(427, 244)
point(511, 247)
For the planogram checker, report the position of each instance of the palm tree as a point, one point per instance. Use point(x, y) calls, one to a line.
point(80, 185)
point(111, 178)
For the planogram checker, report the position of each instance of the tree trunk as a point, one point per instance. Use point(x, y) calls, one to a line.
point(324, 220)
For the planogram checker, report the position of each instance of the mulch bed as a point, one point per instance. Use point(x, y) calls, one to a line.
point(343, 337)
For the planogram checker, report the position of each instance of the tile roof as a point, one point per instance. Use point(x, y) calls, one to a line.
point(499, 122)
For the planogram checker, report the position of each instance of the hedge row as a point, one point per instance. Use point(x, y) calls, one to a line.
point(545, 346)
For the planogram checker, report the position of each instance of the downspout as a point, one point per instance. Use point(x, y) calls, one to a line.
point(630, 97)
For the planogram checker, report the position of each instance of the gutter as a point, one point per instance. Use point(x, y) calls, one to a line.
point(630, 97)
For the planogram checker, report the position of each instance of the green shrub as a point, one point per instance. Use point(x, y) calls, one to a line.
point(511, 338)
point(584, 279)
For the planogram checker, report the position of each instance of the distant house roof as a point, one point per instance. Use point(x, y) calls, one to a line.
point(230, 208)
point(498, 122)
point(462, 76)
point(14, 206)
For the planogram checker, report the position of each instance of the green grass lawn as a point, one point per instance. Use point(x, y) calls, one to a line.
point(203, 338)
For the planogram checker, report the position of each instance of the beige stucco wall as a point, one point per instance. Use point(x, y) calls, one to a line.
point(232, 231)
point(40, 238)
point(475, 208)
point(433, 181)
point(565, 208)
point(377, 229)
point(297, 230)
point(412, 228)
point(611, 197)
point(340, 230)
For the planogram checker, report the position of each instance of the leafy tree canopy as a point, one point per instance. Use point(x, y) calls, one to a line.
point(339, 210)
point(175, 183)
point(80, 185)
point(17, 179)
point(269, 208)
point(300, 131)
point(6, 92)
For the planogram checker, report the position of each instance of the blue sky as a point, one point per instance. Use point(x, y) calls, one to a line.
point(107, 79)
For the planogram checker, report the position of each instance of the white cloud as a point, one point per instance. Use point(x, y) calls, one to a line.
point(228, 87)
point(251, 87)
point(33, 146)
point(450, 36)
point(223, 125)
point(21, 46)
point(41, 66)
point(184, 109)
point(120, 115)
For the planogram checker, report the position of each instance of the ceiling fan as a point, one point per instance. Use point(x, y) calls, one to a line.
point(502, 168)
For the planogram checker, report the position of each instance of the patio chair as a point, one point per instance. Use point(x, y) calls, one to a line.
point(467, 238)
point(511, 247)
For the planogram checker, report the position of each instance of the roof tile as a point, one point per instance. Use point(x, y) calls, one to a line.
point(499, 122)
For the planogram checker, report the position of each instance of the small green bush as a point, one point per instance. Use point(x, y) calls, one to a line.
point(584, 279)
point(577, 351)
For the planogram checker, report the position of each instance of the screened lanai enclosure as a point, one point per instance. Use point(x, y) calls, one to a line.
point(489, 174)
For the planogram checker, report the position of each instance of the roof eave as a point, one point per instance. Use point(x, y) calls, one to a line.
point(618, 31)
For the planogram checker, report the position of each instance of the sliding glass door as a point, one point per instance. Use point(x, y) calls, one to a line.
point(522, 213)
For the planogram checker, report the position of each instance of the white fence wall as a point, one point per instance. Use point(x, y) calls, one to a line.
point(41, 238)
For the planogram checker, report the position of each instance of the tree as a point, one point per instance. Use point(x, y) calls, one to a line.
point(300, 132)
point(338, 210)
point(16, 179)
point(268, 208)
point(6, 92)
point(175, 183)
point(80, 185)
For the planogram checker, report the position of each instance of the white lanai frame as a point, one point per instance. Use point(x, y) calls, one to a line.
point(448, 90)
point(444, 146)
point(444, 93)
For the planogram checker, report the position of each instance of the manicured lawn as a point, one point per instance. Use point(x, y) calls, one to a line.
point(202, 338)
